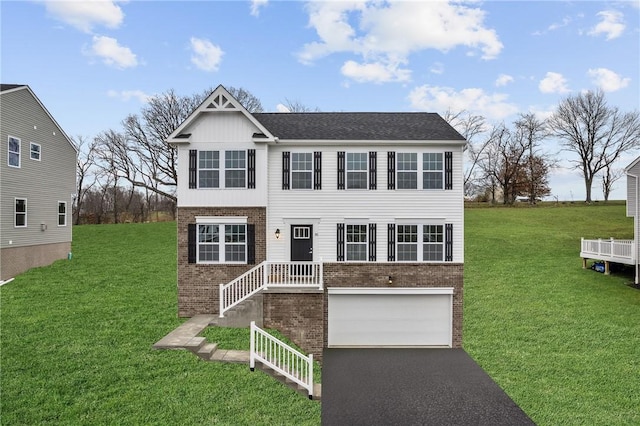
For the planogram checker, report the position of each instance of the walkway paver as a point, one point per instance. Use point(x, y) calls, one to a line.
point(179, 337)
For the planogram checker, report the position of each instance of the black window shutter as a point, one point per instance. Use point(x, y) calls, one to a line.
point(193, 168)
point(340, 243)
point(341, 170)
point(192, 237)
point(391, 242)
point(391, 170)
point(317, 170)
point(448, 170)
point(251, 169)
point(373, 174)
point(372, 242)
point(286, 155)
point(448, 242)
point(251, 244)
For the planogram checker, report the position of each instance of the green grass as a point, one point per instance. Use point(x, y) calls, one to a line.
point(76, 344)
point(563, 342)
point(76, 336)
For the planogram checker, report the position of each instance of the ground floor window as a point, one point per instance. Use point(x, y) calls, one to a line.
point(62, 213)
point(20, 213)
point(222, 243)
point(420, 243)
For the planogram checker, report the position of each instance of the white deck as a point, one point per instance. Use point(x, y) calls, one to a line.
point(609, 250)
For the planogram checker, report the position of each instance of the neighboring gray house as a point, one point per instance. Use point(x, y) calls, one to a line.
point(345, 228)
point(37, 183)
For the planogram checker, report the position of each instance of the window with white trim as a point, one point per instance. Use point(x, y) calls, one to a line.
point(222, 243)
point(357, 168)
point(420, 243)
point(34, 151)
point(235, 169)
point(432, 170)
point(20, 213)
point(428, 173)
point(407, 170)
point(301, 170)
point(356, 243)
point(62, 213)
point(208, 169)
point(13, 152)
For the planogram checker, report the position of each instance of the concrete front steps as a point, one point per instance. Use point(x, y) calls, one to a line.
point(186, 337)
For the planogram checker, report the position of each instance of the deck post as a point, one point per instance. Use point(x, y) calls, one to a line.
point(606, 268)
point(584, 263)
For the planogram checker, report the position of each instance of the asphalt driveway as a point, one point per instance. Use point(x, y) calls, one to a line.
point(412, 387)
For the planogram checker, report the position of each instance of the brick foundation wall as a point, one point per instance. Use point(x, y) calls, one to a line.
point(199, 285)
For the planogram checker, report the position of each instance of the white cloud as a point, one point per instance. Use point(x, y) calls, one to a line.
point(475, 100)
point(503, 80)
point(256, 5)
point(386, 33)
point(611, 24)
point(112, 53)
point(553, 82)
point(375, 72)
point(437, 68)
point(608, 80)
point(206, 55)
point(86, 14)
point(126, 95)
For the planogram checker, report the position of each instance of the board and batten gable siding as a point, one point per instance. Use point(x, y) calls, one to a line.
point(219, 132)
point(328, 206)
point(43, 183)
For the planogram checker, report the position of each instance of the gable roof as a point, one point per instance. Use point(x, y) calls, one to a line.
point(7, 88)
point(370, 126)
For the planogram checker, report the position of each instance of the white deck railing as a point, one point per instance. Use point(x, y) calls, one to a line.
point(618, 251)
point(281, 357)
point(270, 274)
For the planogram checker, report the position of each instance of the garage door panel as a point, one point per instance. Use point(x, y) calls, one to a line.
point(389, 320)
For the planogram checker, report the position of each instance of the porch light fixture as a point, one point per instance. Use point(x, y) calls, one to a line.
point(278, 234)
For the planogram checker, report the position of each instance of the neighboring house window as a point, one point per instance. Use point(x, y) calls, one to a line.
point(433, 170)
point(20, 213)
point(218, 243)
point(356, 242)
point(301, 170)
point(14, 152)
point(235, 169)
point(62, 213)
point(209, 169)
point(420, 243)
point(34, 151)
point(407, 169)
point(404, 170)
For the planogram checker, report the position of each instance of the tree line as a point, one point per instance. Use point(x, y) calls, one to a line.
point(129, 174)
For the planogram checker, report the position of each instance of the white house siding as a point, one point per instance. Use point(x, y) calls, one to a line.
point(43, 183)
point(326, 207)
point(632, 189)
point(219, 132)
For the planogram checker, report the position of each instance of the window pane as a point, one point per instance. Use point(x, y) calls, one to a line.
point(209, 253)
point(21, 206)
point(234, 253)
point(14, 145)
point(62, 207)
point(432, 161)
point(301, 161)
point(209, 178)
point(407, 180)
point(301, 180)
point(234, 159)
point(407, 233)
point(208, 234)
point(407, 161)
point(356, 233)
point(209, 160)
point(356, 161)
point(234, 233)
point(432, 234)
point(357, 252)
point(357, 166)
point(432, 252)
point(234, 179)
point(432, 180)
point(14, 159)
point(407, 252)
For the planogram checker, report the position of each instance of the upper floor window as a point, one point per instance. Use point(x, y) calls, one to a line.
point(407, 170)
point(222, 243)
point(62, 213)
point(432, 170)
point(34, 151)
point(13, 152)
point(357, 170)
point(428, 170)
point(20, 213)
point(205, 169)
point(301, 170)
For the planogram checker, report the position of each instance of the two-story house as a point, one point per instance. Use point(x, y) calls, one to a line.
point(348, 225)
point(37, 183)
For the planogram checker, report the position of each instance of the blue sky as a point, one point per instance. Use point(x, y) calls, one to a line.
point(94, 62)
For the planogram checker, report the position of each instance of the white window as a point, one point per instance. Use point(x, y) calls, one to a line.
point(222, 243)
point(356, 243)
point(433, 170)
point(34, 151)
point(208, 169)
point(13, 152)
point(235, 169)
point(301, 170)
point(407, 165)
point(420, 243)
point(62, 213)
point(357, 163)
point(20, 213)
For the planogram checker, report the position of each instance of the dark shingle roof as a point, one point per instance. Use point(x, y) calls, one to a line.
point(358, 126)
point(4, 87)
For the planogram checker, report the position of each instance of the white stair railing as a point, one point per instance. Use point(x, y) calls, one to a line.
point(281, 357)
point(243, 287)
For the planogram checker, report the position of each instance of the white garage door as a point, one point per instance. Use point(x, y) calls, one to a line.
point(390, 317)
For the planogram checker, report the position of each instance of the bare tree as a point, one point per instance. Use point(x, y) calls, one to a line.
point(85, 172)
point(533, 131)
point(469, 126)
point(597, 133)
point(608, 178)
point(246, 99)
point(298, 106)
